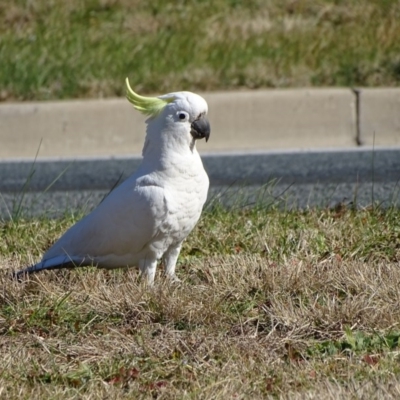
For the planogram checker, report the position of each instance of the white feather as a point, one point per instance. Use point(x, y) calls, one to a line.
point(150, 214)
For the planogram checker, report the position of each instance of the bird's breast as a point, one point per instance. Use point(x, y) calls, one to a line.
point(186, 193)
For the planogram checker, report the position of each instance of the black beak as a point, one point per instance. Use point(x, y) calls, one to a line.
point(201, 129)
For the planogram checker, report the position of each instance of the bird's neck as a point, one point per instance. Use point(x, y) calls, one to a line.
point(162, 142)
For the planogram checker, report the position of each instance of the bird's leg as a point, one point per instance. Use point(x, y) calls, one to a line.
point(170, 258)
point(148, 268)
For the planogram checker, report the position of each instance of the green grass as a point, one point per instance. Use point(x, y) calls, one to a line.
point(55, 49)
point(279, 304)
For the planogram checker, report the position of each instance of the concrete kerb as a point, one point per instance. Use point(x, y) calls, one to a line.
point(245, 120)
point(380, 117)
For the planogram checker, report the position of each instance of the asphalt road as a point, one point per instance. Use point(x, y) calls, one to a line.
point(290, 179)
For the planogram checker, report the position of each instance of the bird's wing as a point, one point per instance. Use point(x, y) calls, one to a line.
point(123, 224)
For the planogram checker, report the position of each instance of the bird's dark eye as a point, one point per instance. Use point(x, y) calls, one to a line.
point(182, 116)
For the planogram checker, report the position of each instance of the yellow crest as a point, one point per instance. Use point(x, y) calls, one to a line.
point(151, 106)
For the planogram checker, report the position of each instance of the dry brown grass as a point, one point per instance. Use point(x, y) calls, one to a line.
point(246, 325)
point(237, 327)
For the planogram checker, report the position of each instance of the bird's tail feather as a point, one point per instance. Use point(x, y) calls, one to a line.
point(58, 262)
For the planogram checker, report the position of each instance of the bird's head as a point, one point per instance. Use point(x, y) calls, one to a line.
point(182, 111)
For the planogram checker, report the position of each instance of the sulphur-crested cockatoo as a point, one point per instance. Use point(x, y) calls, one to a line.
point(149, 215)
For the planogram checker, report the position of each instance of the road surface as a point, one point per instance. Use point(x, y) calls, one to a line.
point(285, 179)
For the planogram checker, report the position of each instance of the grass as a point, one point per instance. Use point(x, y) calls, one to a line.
point(57, 50)
point(273, 304)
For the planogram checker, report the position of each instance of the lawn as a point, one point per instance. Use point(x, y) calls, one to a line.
point(273, 303)
point(66, 49)
point(280, 304)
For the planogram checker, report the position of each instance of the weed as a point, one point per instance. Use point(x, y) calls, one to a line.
point(284, 304)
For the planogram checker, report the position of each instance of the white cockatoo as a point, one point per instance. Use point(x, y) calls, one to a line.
point(148, 216)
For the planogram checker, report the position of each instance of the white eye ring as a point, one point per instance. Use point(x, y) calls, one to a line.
point(183, 116)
